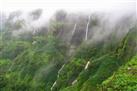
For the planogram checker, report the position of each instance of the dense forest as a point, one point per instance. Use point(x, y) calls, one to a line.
point(68, 52)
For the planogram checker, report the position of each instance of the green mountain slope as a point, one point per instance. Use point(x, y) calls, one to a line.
point(44, 62)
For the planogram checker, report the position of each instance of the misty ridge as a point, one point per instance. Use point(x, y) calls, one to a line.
point(68, 51)
point(69, 27)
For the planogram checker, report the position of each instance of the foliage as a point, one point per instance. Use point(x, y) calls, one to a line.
point(124, 79)
point(34, 62)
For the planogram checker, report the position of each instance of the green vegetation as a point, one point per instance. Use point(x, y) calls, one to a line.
point(42, 61)
point(124, 79)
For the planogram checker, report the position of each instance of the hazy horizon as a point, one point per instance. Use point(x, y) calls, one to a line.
point(49, 7)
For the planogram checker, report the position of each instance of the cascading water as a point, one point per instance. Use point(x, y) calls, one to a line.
point(57, 77)
point(74, 82)
point(60, 69)
point(74, 29)
point(70, 52)
point(53, 85)
point(87, 65)
point(86, 37)
point(72, 47)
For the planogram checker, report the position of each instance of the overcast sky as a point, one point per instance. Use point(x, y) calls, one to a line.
point(69, 5)
point(116, 7)
point(50, 6)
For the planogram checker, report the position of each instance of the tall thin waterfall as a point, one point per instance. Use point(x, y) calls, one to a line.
point(57, 77)
point(86, 37)
point(61, 69)
point(74, 29)
point(71, 45)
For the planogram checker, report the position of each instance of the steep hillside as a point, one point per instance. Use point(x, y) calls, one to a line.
point(68, 54)
point(100, 68)
point(124, 79)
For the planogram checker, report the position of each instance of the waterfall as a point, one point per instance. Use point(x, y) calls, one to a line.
point(87, 65)
point(86, 37)
point(71, 51)
point(74, 29)
point(34, 42)
point(53, 85)
point(57, 77)
point(60, 69)
point(74, 82)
